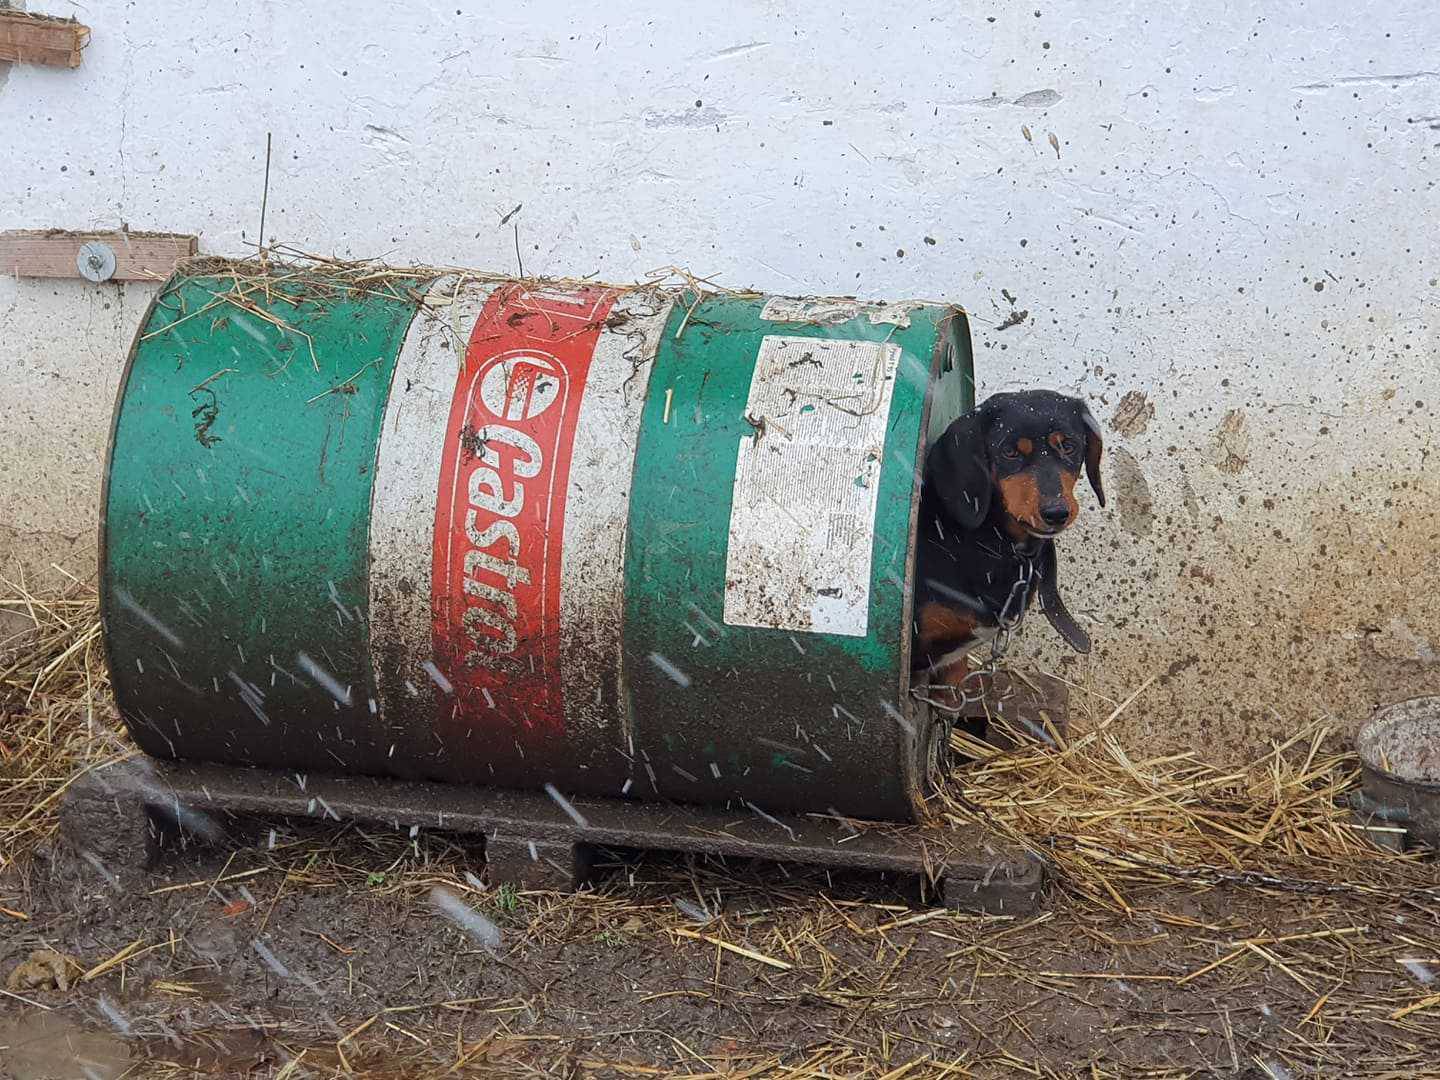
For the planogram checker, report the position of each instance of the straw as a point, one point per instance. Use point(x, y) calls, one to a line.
point(1199, 882)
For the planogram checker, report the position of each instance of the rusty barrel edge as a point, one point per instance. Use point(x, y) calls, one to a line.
point(631, 543)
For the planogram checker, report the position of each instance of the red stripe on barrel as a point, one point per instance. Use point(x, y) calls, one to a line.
point(499, 519)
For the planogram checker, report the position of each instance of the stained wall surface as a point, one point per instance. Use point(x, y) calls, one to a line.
point(1217, 223)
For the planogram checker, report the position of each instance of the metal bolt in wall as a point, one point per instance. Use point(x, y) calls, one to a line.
point(96, 261)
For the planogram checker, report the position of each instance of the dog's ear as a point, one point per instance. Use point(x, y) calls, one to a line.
point(958, 465)
point(1094, 447)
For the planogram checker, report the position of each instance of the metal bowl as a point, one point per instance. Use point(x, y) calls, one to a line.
point(1399, 752)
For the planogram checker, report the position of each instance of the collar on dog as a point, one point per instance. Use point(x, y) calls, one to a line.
point(1050, 602)
point(1038, 560)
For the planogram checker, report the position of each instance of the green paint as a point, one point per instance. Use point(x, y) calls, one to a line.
point(237, 538)
point(754, 684)
point(237, 517)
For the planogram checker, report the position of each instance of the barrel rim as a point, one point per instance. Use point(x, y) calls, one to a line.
point(953, 330)
point(102, 554)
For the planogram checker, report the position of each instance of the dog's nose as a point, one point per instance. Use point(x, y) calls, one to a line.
point(1056, 514)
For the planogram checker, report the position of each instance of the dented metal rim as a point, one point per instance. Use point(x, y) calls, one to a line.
point(1401, 740)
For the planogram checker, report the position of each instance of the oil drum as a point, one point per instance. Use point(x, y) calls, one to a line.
point(647, 543)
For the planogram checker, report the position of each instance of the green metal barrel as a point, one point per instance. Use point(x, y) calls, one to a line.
point(642, 543)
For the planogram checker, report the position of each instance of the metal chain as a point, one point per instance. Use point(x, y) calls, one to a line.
point(1012, 613)
point(970, 691)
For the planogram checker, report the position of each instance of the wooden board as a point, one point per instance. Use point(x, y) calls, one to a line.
point(40, 39)
point(125, 814)
point(51, 253)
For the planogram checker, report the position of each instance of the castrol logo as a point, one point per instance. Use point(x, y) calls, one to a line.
point(499, 522)
point(500, 457)
point(521, 387)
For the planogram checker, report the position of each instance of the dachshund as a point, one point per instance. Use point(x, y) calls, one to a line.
point(999, 486)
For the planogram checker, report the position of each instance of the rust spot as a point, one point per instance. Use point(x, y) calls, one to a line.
point(1057, 440)
point(1021, 497)
point(1025, 446)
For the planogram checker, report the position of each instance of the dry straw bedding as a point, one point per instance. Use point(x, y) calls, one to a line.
point(1343, 934)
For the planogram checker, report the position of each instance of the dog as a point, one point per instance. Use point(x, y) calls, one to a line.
point(998, 488)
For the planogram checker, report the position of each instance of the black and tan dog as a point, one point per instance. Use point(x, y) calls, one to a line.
point(999, 487)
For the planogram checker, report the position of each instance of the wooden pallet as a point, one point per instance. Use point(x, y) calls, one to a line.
point(120, 819)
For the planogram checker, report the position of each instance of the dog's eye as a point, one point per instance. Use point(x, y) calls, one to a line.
point(1010, 453)
point(1064, 445)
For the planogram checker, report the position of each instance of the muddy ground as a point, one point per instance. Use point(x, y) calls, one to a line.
point(327, 955)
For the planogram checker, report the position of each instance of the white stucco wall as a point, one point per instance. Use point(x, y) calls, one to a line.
point(1226, 208)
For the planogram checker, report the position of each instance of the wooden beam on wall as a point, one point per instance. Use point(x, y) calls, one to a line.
point(28, 38)
point(55, 253)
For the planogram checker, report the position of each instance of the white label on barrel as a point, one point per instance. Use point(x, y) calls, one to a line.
point(802, 519)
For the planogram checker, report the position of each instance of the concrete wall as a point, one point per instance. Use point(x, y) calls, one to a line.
point(1215, 221)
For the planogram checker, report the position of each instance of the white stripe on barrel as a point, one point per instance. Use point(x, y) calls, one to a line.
point(597, 514)
point(407, 482)
point(597, 506)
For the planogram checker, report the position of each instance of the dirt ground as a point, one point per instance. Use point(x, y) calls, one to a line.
point(1204, 919)
point(327, 955)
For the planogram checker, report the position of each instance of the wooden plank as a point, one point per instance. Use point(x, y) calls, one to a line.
point(28, 38)
point(51, 253)
point(38, 56)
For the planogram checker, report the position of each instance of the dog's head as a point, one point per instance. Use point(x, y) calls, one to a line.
point(1025, 450)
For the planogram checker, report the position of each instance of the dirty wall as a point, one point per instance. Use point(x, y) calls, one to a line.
point(1215, 222)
